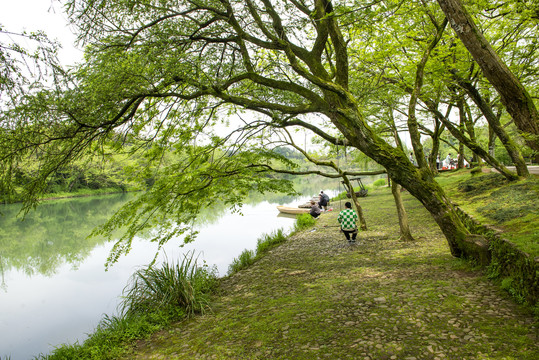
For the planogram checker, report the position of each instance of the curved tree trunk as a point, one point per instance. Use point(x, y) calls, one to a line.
point(462, 121)
point(405, 233)
point(513, 95)
point(343, 111)
point(419, 182)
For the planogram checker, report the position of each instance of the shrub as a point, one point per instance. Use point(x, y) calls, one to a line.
point(303, 221)
point(379, 182)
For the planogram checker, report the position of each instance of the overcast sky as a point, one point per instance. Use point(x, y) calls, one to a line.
point(45, 15)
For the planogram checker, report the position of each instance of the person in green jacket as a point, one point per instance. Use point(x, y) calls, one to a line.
point(348, 219)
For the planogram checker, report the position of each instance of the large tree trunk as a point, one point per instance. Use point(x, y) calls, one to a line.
point(513, 95)
point(419, 182)
point(342, 110)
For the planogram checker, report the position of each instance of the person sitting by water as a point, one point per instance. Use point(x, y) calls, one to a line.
point(323, 200)
point(315, 210)
point(348, 218)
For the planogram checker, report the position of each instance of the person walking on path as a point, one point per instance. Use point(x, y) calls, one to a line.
point(348, 219)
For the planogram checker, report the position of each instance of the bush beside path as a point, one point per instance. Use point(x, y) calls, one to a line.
point(316, 297)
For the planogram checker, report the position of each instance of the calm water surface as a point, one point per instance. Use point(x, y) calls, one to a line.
point(54, 288)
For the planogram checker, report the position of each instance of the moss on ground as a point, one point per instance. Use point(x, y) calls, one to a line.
point(316, 297)
point(512, 207)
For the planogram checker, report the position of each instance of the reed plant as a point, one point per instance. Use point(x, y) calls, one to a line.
point(264, 244)
point(153, 299)
point(303, 221)
point(184, 285)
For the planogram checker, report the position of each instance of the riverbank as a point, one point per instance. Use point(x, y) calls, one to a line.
point(316, 297)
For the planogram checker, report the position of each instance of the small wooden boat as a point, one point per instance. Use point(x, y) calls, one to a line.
point(292, 210)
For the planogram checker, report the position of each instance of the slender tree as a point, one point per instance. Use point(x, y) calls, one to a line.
point(513, 94)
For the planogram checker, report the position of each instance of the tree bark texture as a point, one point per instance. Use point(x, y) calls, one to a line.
point(513, 95)
point(419, 182)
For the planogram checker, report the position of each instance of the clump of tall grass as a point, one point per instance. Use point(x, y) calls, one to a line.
point(263, 245)
point(183, 285)
point(154, 298)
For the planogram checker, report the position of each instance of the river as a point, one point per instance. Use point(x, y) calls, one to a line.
point(54, 288)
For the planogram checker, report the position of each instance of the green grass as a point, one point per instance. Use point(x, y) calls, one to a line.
point(152, 301)
point(509, 206)
point(303, 221)
point(264, 244)
point(244, 260)
point(268, 242)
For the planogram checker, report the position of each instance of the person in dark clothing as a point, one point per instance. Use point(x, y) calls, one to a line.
point(315, 210)
point(323, 200)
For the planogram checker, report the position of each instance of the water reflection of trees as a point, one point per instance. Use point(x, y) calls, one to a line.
point(53, 234)
point(56, 233)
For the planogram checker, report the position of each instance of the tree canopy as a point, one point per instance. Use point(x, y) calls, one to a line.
point(216, 81)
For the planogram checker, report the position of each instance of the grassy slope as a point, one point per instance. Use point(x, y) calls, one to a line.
point(316, 297)
point(512, 207)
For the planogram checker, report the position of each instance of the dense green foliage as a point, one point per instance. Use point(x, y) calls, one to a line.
point(379, 182)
